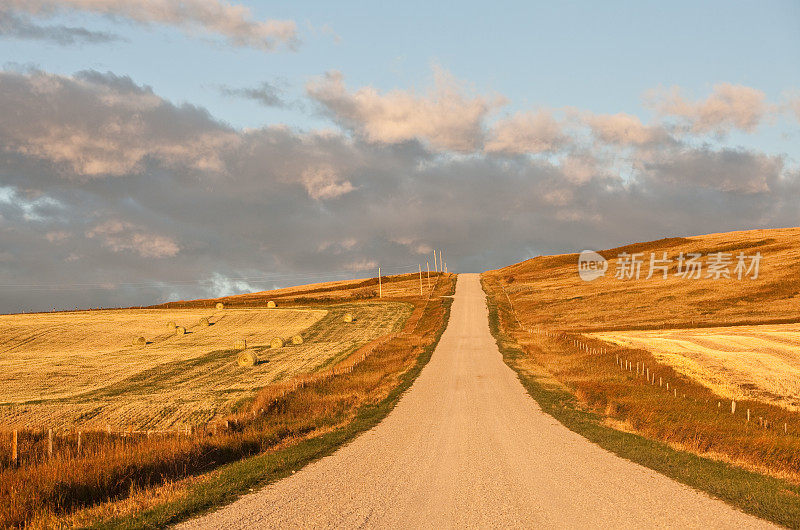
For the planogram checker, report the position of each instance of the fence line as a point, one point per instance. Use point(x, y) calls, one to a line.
point(641, 370)
point(624, 364)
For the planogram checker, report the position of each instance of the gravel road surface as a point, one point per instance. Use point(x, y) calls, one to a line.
point(467, 447)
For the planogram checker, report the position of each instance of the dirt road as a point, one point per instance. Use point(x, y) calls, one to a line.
point(468, 447)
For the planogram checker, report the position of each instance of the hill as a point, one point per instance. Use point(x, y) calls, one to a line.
point(548, 290)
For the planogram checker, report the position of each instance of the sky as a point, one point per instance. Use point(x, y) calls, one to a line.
point(156, 150)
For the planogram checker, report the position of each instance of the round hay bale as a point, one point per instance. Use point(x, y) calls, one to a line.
point(277, 342)
point(203, 321)
point(348, 317)
point(271, 304)
point(297, 339)
point(220, 305)
point(139, 341)
point(171, 325)
point(180, 330)
point(241, 344)
point(247, 358)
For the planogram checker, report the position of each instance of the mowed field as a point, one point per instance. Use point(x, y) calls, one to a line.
point(82, 369)
point(760, 363)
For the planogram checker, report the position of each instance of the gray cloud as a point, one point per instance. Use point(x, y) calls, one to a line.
point(145, 200)
point(95, 125)
point(725, 170)
point(266, 94)
point(19, 27)
point(232, 22)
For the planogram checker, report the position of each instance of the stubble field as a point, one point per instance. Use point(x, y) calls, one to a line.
point(759, 363)
point(83, 370)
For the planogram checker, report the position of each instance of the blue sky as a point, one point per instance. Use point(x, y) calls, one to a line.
point(601, 56)
point(497, 131)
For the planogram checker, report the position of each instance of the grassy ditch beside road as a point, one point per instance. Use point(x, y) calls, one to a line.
point(687, 439)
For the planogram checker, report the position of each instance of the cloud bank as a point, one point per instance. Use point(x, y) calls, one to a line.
point(113, 195)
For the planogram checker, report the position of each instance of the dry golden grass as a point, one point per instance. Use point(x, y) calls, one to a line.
point(712, 340)
point(688, 416)
point(547, 290)
point(742, 362)
point(81, 369)
point(116, 475)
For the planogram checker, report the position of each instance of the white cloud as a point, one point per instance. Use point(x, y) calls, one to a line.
point(446, 117)
point(121, 236)
point(221, 285)
point(34, 206)
point(526, 132)
point(624, 129)
point(324, 183)
point(728, 107)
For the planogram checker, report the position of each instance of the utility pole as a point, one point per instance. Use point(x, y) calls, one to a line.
point(380, 287)
point(428, 266)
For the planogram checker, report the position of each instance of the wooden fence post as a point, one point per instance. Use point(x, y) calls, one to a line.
point(50, 443)
point(15, 448)
point(79, 442)
point(733, 406)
